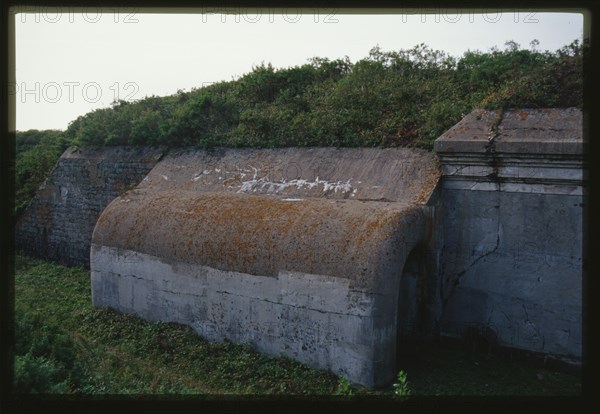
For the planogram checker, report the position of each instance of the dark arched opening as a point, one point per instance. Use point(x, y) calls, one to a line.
point(410, 309)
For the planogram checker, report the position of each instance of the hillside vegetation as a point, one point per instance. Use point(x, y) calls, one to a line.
point(398, 98)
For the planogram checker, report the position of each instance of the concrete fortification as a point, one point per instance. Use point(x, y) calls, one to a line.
point(337, 257)
point(297, 251)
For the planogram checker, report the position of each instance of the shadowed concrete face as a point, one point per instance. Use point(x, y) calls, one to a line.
point(301, 266)
point(512, 199)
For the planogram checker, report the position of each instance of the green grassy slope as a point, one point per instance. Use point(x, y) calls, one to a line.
point(64, 345)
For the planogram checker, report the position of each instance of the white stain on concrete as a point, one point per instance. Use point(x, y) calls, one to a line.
point(274, 187)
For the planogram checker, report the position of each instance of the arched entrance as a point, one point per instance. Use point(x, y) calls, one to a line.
point(410, 309)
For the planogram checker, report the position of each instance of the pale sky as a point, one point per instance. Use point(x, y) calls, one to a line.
point(70, 63)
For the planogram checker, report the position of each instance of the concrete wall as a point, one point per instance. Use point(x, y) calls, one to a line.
point(59, 221)
point(510, 210)
point(304, 316)
point(305, 265)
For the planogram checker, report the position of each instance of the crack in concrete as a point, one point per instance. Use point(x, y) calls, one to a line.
point(490, 148)
point(536, 333)
point(162, 289)
point(526, 314)
point(505, 315)
point(132, 276)
point(460, 274)
point(288, 304)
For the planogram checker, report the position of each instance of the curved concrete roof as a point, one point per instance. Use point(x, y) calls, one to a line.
point(350, 213)
point(263, 235)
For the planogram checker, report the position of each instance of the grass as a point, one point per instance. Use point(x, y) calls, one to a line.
point(64, 345)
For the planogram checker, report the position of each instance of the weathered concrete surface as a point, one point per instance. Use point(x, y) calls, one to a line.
point(319, 279)
point(512, 262)
point(59, 221)
point(522, 131)
point(261, 235)
point(510, 209)
point(231, 239)
point(304, 316)
point(392, 174)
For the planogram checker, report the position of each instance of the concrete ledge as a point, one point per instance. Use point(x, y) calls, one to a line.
point(371, 174)
point(523, 131)
point(521, 149)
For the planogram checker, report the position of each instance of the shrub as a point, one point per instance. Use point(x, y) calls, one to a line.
point(344, 387)
point(398, 98)
point(401, 388)
point(39, 375)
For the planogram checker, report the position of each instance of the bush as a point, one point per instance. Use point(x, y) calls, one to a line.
point(401, 388)
point(39, 375)
point(398, 98)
